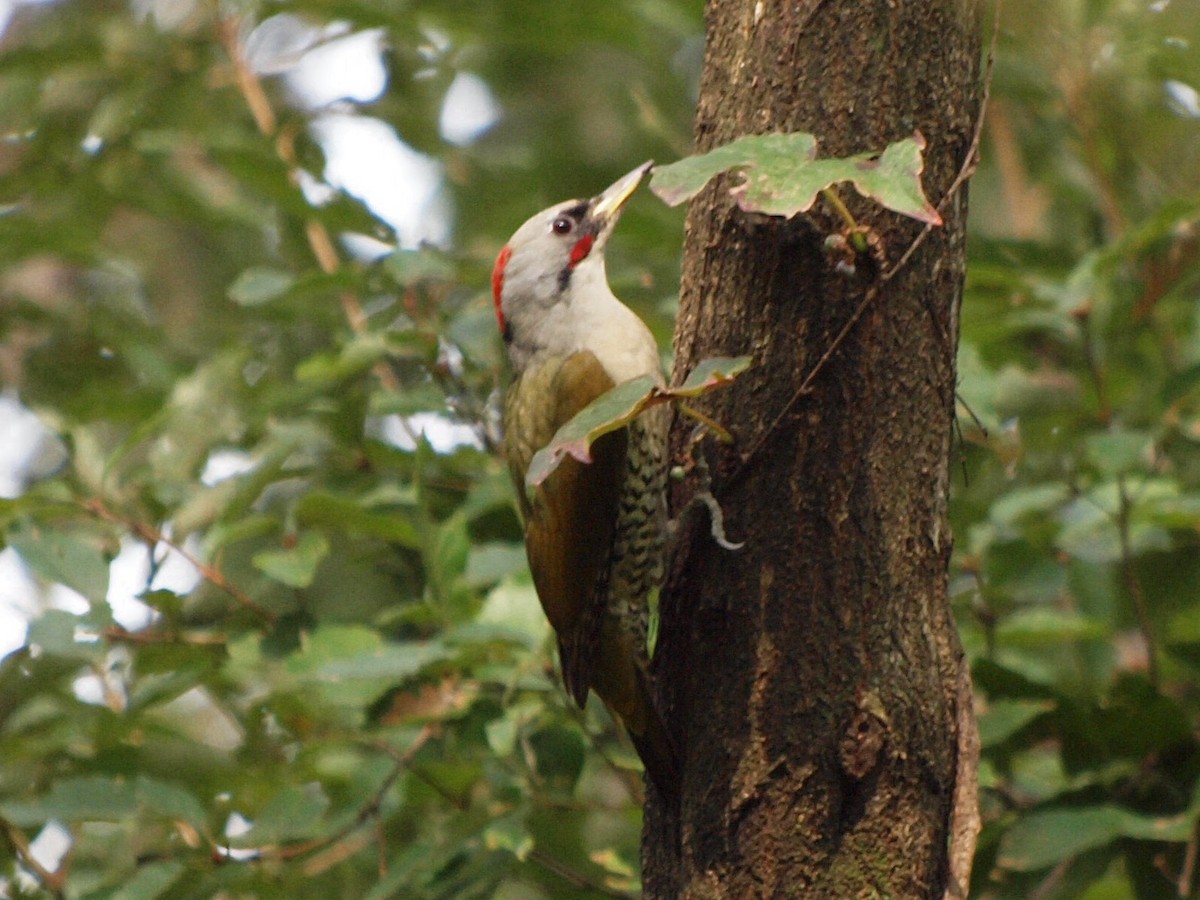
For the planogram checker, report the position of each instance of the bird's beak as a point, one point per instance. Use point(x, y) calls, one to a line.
point(608, 205)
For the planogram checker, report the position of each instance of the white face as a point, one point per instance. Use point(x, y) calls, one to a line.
point(537, 265)
point(553, 250)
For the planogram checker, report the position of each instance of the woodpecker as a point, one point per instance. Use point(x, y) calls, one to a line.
point(593, 532)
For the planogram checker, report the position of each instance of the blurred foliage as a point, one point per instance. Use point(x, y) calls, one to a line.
point(1077, 517)
point(350, 691)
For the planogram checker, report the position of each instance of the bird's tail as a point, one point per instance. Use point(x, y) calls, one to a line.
point(653, 743)
point(618, 675)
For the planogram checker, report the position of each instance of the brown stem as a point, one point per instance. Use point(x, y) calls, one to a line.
point(117, 634)
point(51, 881)
point(579, 880)
point(1184, 884)
point(368, 811)
point(320, 243)
point(965, 821)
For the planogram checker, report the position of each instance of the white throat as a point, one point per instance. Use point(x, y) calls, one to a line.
point(588, 316)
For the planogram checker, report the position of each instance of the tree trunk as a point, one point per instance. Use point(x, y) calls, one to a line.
point(814, 679)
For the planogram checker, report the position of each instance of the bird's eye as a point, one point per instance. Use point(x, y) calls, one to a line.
point(562, 225)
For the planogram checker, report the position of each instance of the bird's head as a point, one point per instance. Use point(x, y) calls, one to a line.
point(552, 268)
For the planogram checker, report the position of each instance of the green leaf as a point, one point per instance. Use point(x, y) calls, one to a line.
point(357, 356)
point(337, 653)
point(619, 406)
point(491, 562)
point(1020, 503)
point(88, 798)
point(393, 662)
point(59, 556)
point(297, 565)
point(509, 833)
point(448, 552)
point(779, 157)
point(894, 180)
point(513, 606)
point(409, 266)
point(613, 409)
point(293, 812)
point(332, 642)
point(560, 752)
point(1004, 718)
point(149, 881)
point(1117, 452)
point(1041, 839)
point(171, 801)
point(711, 373)
point(1089, 532)
point(259, 285)
point(502, 733)
point(1041, 625)
point(783, 177)
point(351, 516)
point(56, 632)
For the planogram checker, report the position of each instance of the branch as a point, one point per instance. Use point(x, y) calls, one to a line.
point(579, 880)
point(51, 881)
point(209, 573)
point(367, 811)
point(319, 242)
point(117, 634)
point(1183, 884)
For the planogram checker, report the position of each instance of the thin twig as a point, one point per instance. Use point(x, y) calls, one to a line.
point(117, 634)
point(872, 292)
point(209, 573)
point(51, 881)
point(368, 811)
point(319, 241)
point(1049, 885)
point(579, 880)
point(1183, 885)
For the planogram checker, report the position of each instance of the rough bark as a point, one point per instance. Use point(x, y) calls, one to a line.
point(814, 679)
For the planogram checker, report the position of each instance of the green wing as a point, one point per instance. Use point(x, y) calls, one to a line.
point(569, 518)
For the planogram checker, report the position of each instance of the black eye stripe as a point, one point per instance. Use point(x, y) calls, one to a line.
point(568, 220)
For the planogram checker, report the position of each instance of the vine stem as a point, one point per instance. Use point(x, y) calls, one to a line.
point(969, 164)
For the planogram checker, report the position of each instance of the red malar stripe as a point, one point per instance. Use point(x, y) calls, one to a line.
point(582, 248)
point(498, 284)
